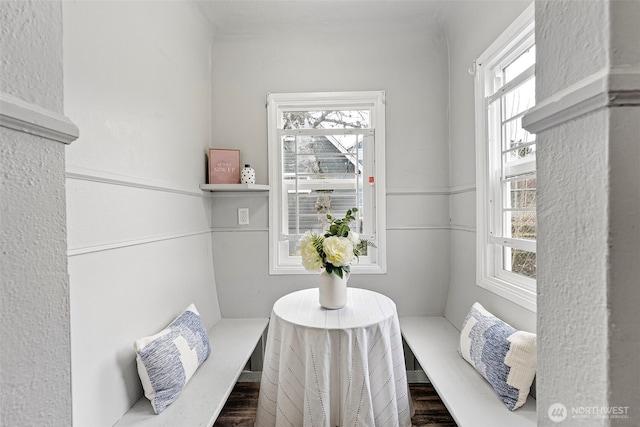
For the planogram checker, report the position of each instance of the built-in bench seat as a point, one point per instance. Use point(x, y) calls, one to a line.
point(200, 402)
point(467, 395)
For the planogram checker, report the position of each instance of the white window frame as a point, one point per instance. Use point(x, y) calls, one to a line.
point(279, 260)
point(490, 274)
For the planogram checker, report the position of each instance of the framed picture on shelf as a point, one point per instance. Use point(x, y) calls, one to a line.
point(224, 166)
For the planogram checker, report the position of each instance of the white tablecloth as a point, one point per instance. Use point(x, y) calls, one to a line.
point(334, 367)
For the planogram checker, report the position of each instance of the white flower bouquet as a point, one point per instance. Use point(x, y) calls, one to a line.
point(335, 250)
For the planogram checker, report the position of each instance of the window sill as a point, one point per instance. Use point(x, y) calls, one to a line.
point(514, 293)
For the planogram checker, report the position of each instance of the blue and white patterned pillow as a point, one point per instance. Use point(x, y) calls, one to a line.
point(168, 359)
point(503, 355)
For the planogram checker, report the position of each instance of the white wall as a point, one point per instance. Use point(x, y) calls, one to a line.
point(137, 83)
point(470, 28)
point(411, 66)
point(35, 371)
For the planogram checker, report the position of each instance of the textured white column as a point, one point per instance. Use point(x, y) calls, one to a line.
point(35, 372)
point(586, 121)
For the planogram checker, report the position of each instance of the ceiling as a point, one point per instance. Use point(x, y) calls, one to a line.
point(247, 17)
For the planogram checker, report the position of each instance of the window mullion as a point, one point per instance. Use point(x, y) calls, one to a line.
point(515, 83)
point(518, 147)
point(515, 169)
point(296, 183)
point(523, 244)
point(513, 118)
point(283, 208)
point(327, 132)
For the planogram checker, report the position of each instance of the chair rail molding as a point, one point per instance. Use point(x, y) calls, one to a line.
point(105, 177)
point(71, 252)
point(609, 87)
point(431, 191)
point(33, 119)
point(459, 189)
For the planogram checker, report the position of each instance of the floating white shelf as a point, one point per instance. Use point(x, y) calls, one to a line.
point(234, 187)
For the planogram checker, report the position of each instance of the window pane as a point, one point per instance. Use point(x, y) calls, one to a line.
point(520, 262)
point(288, 154)
point(327, 166)
point(521, 152)
point(322, 175)
point(523, 224)
point(519, 99)
point(308, 211)
point(522, 193)
point(321, 154)
point(312, 208)
point(523, 62)
point(517, 141)
point(350, 119)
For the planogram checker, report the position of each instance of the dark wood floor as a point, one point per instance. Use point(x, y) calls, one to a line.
point(240, 410)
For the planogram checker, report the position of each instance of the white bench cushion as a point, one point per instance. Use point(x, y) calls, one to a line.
point(469, 398)
point(202, 399)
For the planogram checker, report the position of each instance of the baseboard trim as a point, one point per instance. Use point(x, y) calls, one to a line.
point(417, 376)
point(250, 377)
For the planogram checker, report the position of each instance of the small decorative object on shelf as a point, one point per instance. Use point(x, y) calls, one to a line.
point(224, 166)
point(331, 253)
point(247, 175)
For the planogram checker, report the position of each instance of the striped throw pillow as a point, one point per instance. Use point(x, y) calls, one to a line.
point(504, 356)
point(168, 359)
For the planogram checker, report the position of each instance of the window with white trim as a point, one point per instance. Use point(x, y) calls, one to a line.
point(506, 165)
point(326, 155)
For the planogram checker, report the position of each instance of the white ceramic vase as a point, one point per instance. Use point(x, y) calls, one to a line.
point(333, 290)
point(247, 175)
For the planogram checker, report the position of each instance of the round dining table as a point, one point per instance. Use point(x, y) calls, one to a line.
point(329, 368)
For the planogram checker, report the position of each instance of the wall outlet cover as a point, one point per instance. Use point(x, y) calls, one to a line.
point(243, 216)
